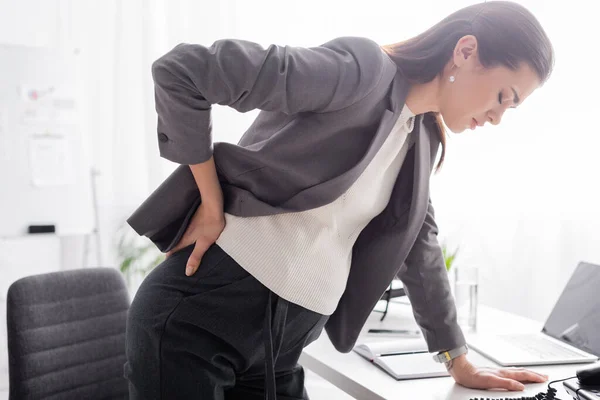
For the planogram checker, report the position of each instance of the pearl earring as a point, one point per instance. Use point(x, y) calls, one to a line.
point(452, 79)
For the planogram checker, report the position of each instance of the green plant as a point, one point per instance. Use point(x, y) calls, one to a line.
point(449, 258)
point(137, 255)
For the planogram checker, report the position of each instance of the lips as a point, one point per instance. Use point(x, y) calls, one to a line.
point(475, 123)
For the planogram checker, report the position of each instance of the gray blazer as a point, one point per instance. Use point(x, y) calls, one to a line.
point(326, 111)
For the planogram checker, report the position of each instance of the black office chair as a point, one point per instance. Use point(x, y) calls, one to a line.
point(66, 335)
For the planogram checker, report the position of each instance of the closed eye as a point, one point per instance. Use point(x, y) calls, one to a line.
point(515, 101)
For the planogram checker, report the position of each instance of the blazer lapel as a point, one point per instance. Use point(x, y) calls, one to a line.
point(424, 148)
point(320, 194)
point(422, 172)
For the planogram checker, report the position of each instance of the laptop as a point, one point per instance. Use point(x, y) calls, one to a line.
point(570, 334)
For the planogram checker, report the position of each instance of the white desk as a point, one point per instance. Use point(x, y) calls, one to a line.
point(359, 378)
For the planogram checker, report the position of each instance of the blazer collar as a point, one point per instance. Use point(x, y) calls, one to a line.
point(399, 91)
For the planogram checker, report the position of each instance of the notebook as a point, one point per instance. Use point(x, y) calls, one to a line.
point(402, 358)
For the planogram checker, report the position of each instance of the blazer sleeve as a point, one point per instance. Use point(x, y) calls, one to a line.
point(427, 286)
point(245, 76)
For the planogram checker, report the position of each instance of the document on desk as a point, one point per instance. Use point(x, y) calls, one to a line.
point(402, 359)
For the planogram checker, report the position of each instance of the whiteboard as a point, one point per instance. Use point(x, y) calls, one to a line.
point(44, 167)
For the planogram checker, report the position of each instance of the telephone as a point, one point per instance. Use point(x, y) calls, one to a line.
point(587, 377)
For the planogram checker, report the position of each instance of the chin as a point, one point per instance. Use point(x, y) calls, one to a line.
point(455, 129)
point(453, 126)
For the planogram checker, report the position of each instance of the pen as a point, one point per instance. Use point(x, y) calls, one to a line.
point(402, 331)
point(402, 353)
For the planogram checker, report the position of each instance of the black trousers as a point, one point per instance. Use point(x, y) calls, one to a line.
point(219, 334)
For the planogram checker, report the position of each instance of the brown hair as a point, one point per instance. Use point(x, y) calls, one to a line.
point(507, 35)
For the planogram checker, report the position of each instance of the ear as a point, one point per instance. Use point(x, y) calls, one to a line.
point(465, 50)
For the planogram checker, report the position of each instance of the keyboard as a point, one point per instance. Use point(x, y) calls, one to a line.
point(543, 348)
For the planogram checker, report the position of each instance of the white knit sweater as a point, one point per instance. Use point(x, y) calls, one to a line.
point(304, 257)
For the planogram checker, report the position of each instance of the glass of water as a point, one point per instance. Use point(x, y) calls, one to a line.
point(466, 279)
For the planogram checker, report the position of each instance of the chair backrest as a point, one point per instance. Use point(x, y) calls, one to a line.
point(66, 335)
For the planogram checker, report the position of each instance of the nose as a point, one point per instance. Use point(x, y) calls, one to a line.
point(495, 116)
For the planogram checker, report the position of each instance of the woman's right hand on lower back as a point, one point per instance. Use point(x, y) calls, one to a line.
point(204, 230)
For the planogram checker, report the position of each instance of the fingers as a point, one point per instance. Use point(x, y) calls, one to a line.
point(196, 257)
point(523, 375)
point(505, 383)
point(175, 249)
point(182, 243)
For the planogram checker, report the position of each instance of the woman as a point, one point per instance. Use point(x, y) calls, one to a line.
point(325, 199)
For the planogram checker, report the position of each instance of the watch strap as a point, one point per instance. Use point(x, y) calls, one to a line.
point(446, 356)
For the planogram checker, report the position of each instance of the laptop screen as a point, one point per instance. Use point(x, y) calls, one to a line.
point(575, 318)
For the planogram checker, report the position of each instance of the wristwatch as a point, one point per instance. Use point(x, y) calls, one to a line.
point(446, 356)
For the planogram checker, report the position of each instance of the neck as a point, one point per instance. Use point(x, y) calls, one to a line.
point(423, 97)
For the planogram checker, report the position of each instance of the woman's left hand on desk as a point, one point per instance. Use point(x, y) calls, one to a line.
point(468, 375)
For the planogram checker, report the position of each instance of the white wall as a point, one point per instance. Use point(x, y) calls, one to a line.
point(21, 26)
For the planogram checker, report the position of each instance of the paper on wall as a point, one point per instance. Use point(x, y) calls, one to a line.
point(51, 161)
point(46, 105)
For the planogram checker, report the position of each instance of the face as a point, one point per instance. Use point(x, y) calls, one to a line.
point(478, 94)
